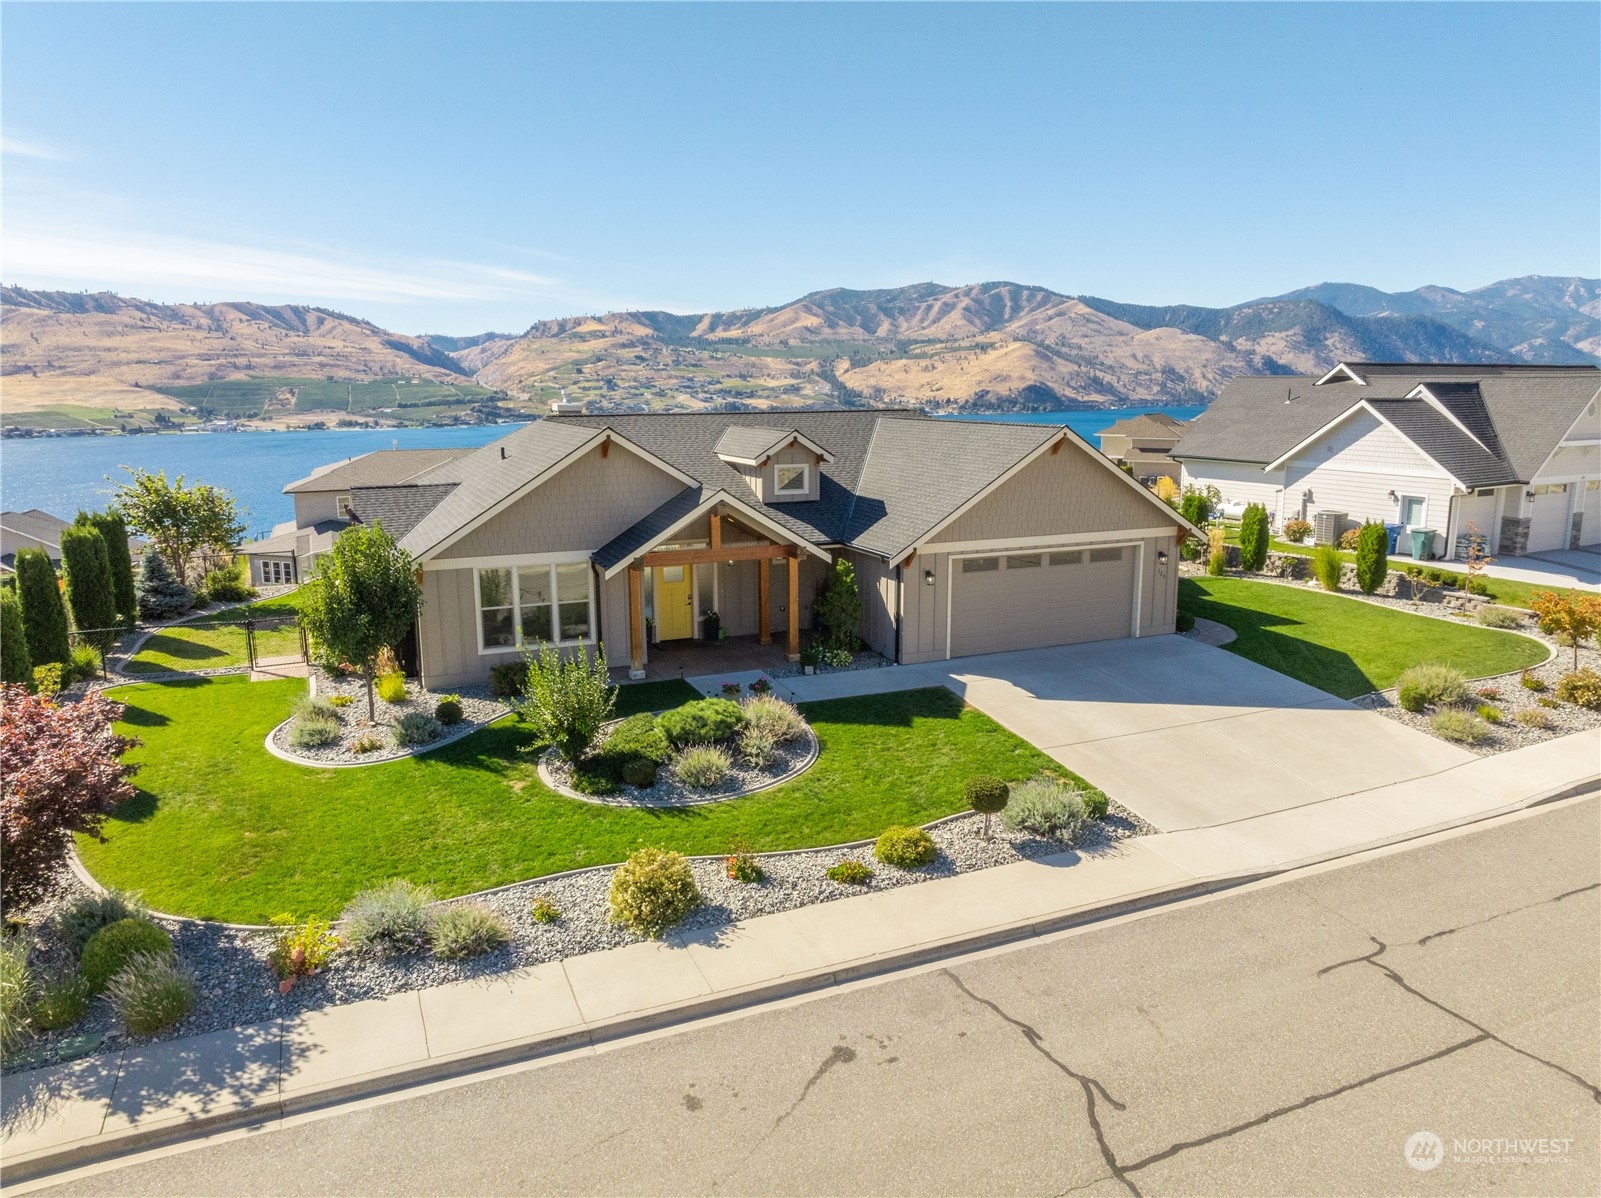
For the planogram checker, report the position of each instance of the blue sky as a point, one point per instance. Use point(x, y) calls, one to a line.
point(455, 168)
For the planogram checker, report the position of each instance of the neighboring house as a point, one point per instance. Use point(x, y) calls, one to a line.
point(31, 529)
point(966, 537)
point(322, 509)
point(1144, 443)
point(1514, 451)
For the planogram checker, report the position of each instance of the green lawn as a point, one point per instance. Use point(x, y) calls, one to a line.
point(1345, 646)
point(216, 639)
point(221, 829)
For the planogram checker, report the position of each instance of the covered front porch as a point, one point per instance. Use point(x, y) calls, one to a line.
point(717, 588)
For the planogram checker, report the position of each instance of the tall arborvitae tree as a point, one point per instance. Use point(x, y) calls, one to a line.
point(91, 593)
point(15, 664)
point(1372, 556)
point(113, 529)
point(44, 619)
point(1255, 533)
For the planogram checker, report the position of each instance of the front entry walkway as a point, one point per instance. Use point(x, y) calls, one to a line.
point(1185, 735)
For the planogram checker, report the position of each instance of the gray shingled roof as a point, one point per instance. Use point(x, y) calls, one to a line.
point(383, 467)
point(398, 509)
point(1148, 423)
point(649, 530)
point(1529, 409)
point(750, 444)
point(1463, 458)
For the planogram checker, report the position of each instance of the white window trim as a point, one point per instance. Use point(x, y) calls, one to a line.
point(806, 479)
point(516, 604)
point(342, 506)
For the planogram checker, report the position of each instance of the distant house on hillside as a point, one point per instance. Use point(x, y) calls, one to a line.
point(1144, 443)
point(32, 529)
point(1514, 451)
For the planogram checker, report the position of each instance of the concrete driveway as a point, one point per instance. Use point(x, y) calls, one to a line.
point(1187, 735)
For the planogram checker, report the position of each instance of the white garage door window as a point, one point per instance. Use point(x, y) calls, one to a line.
point(1548, 519)
point(1006, 601)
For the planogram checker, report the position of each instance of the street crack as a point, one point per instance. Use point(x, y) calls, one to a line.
point(1566, 894)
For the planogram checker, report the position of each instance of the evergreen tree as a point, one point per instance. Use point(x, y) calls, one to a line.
point(44, 619)
point(15, 664)
point(841, 606)
point(161, 596)
point(90, 591)
point(1372, 556)
point(1254, 537)
point(113, 529)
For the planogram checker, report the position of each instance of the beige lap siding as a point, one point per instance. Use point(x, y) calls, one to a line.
point(1065, 492)
point(875, 580)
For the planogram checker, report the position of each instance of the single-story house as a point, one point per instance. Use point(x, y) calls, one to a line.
point(32, 529)
point(1510, 453)
point(1144, 444)
point(966, 537)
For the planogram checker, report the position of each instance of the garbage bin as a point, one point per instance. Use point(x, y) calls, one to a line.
point(1423, 544)
point(1395, 535)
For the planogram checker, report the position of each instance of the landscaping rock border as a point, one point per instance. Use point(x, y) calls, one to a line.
point(478, 711)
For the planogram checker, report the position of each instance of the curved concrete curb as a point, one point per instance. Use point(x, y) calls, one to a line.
point(805, 764)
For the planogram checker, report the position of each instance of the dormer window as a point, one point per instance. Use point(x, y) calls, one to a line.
point(792, 478)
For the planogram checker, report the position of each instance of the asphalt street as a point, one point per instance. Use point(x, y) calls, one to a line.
point(1290, 1038)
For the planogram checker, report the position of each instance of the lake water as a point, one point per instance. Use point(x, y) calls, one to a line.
point(63, 474)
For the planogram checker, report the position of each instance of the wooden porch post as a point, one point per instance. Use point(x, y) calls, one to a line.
point(794, 606)
point(636, 621)
point(764, 594)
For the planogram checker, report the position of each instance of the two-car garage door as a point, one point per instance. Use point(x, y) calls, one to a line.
point(1007, 601)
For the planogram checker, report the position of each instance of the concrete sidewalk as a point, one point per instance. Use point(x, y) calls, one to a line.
point(117, 1103)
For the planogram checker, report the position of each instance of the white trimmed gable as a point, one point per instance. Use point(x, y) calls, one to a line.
point(1363, 443)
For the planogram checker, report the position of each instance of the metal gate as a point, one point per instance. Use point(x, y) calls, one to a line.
point(274, 641)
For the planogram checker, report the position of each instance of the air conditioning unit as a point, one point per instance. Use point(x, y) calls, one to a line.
point(1327, 527)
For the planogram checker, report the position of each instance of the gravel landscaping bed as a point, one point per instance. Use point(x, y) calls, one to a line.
point(866, 659)
point(235, 986)
point(477, 707)
point(789, 760)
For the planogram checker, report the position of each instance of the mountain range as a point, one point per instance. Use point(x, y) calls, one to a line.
point(989, 345)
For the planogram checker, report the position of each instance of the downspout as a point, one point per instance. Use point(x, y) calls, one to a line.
point(900, 608)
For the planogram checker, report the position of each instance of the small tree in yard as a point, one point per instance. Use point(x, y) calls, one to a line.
point(1372, 556)
point(44, 619)
point(568, 699)
point(363, 598)
point(114, 531)
point(180, 521)
point(987, 795)
point(61, 772)
point(160, 596)
point(1572, 619)
point(91, 592)
point(1478, 558)
point(1254, 537)
point(15, 664)
point(842, 606)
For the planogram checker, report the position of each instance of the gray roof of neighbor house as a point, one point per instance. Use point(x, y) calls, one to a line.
point(1148, 424)
point(399, 509)
point(35, 525)
point(1519, 413)
point(316, 538)
point(383, 467)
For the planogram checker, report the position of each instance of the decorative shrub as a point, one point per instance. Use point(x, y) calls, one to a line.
point(1255, 534)
point(811, 656)
point(1535, 717)
point(228, 584)
point(1569, 619)
point(543, 910)
point(1581, 688)
point(313, 734)
point(341, 701)
point(986, 794)
point(731, 690)
point(1530, 682)
point(1546, 701)
point(1372, 556)
point(838, 659)
point(636, 739)
point(448, 711)
point(850, 872)
point(1184, 621)
point(417, 728)
point(652, 891)
point(367, 742)
point(840, 607)
point(508, 680)
point(1326, 566)
point(702, 722)
point(702, 766)
point(86, 914)
point(1217, 561)
point(464, 930)
point(1432, 685)
point(16, 985)
point(640, 772)
point(151, 993)
point(569, 699)
point(1297, 530)
point(1096, 804)
point(743, 867)
point(1349, 539)
point(388, 920)
point(1046, 806)
point(300, 949)
point(1195, 507)
point(780, 720)
point(49, 678)
point(1492, 616)
point(1488, 692)
point(392, 687)
point(111, 948)
point(60, 1002)
point(308, 708)
point(905, 848)
point(1461, 726)
point(756, 748)
point(1491, 714)
point(85, 663)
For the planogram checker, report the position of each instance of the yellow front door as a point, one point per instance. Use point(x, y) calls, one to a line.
point(675, 603)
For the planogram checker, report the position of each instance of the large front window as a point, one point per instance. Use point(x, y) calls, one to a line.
point(524, 604)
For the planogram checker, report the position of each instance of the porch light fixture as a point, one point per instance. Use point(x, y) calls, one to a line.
point(928, 578)
point(1161, 557)
point(1394, 498)
point(1529, 495)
